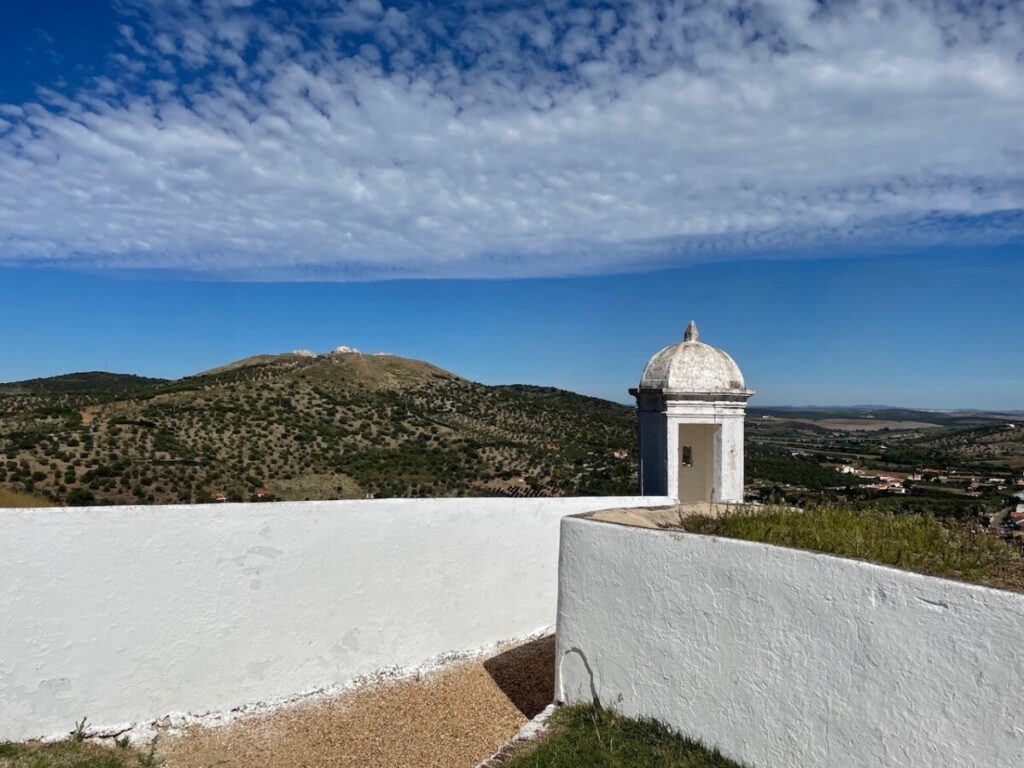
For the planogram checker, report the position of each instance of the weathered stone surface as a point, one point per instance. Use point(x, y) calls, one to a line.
point(692, 366)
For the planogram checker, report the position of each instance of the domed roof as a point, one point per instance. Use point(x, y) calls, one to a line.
point(693, 366)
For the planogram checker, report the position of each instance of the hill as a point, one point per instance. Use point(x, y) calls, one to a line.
point(296, 426)
point(90, 382)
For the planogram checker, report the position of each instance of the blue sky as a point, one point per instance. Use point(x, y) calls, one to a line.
point(521, 191)
point(932, 330)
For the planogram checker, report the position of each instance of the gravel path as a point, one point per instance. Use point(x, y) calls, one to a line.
point(452, 718)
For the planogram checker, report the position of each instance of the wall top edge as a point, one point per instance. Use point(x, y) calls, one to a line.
point(342, 505)
point(807, 555)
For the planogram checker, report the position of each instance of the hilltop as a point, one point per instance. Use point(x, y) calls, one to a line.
point(297, 426)
point(89, 382)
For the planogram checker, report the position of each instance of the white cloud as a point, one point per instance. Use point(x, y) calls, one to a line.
point(351, 140)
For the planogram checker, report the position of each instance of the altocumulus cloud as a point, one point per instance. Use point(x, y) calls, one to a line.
point(349, 140)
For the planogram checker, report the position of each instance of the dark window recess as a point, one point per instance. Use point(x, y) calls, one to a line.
point(687, 460)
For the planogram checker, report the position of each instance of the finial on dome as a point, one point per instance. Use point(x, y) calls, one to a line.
point(691, 332)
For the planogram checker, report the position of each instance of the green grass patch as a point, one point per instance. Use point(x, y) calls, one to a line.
point(72, 753)
point(585, 736)
point(913, 542)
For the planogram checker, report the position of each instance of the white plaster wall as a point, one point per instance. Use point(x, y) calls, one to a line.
point(653, 447)
point(730, 458)
point(126, 614)
point(729, 469)
point(785, 658)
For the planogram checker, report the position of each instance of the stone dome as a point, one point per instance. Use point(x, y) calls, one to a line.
point(693, 366)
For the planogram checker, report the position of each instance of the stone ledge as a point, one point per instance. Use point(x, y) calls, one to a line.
point(662, 517)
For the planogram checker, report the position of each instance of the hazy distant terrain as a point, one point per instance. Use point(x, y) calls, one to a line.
point(869, 416)
point(296, 427)
point(969, 440)
point(950, 463)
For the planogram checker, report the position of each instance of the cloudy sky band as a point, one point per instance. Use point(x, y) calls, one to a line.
point(348, 140)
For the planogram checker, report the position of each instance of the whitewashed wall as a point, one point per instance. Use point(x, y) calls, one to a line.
point(126, 614)
point(785, 658)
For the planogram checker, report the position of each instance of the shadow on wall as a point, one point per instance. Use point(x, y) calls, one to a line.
point(526, 674)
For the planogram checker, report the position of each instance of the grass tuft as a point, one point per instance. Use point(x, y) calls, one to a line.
point(74, 753)
point(588, 736)
point(913, 542)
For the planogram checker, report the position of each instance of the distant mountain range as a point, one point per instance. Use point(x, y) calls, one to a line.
point(946, 418)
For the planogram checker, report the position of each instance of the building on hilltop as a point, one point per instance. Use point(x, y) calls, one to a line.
point(691, 406)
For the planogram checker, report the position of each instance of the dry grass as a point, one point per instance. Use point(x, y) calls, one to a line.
point(12, 499)
point(913, 542)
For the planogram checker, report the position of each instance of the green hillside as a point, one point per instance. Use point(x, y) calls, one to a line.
point(297, 427)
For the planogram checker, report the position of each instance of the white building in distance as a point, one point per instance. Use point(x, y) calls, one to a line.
point(691, 404)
